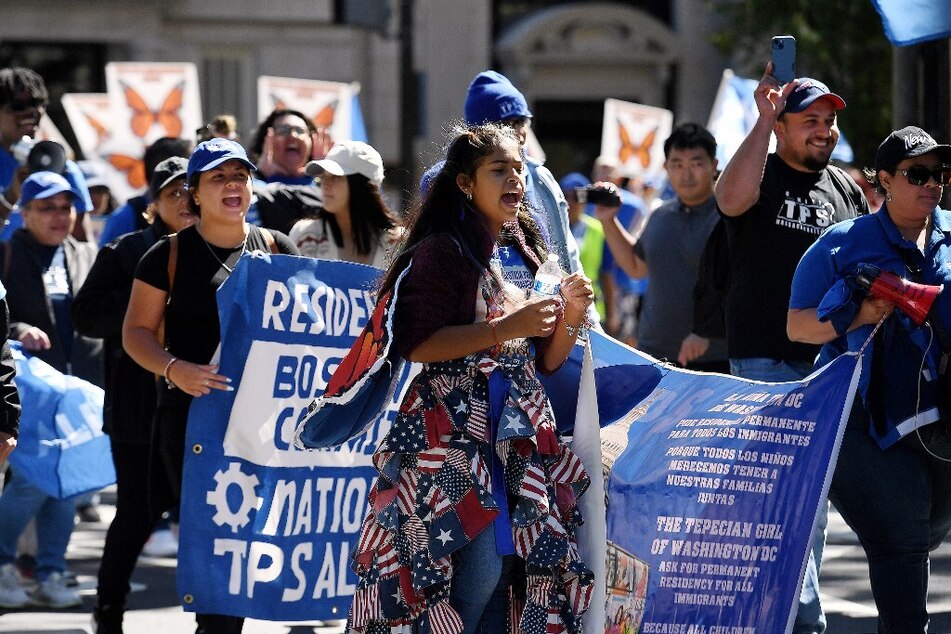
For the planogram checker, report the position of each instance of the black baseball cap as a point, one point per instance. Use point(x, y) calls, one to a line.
point(807, 92)
point(909, 142)
point(166, 172)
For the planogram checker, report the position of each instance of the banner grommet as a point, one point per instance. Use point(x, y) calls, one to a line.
point(196, 448)
point(189, 599)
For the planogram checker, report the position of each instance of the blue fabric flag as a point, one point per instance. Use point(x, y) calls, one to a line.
point(62, 449)
point(909, 22)
point(734, 113)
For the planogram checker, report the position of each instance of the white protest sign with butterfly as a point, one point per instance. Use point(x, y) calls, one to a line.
point(634, 135)
point(90, 116)
point(147, 101)
point(328, 104)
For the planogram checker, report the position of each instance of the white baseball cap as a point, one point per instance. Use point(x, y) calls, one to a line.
point(350, 157)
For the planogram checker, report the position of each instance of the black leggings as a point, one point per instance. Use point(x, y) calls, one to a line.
point(132, 525)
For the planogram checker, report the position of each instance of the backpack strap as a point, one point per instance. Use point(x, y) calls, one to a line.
point(172, 261)
point(172, 264)
point(269, 240)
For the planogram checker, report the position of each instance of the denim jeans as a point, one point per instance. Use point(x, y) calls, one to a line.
point(21, 502)
point(480, 586)
point(809, 617)
point(898, 502)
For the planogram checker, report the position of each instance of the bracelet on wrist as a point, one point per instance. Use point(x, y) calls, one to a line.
point(580, 330)
point(168, 366)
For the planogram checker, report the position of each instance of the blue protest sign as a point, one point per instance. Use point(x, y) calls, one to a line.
point(713, 493)
point(713, 482)
point(268, 528)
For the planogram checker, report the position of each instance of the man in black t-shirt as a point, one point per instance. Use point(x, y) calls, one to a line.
point(775, 206)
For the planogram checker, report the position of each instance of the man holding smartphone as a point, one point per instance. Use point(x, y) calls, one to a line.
point(775, 206)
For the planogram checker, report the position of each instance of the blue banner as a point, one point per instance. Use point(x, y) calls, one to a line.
point(267, 528)
point(713, 482)
point(713, 490)
point(62, 449)
point(909, 22)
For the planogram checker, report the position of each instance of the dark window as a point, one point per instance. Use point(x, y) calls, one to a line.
point(570, 134)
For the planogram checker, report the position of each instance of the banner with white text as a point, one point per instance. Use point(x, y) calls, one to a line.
point(713, 482)
point(267, 529)
point(713, 489)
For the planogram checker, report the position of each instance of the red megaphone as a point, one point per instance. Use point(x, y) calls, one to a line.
point(913, 299)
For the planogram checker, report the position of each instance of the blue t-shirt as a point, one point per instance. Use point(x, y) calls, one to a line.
point(8, 167)
point(120, 222)
point(514, 269)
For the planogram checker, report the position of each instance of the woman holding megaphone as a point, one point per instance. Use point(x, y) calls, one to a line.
point(873, 284)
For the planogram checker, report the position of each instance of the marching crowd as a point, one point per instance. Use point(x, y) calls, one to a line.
point(751, 271)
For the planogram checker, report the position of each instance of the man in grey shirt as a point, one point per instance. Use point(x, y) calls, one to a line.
point(669, 250)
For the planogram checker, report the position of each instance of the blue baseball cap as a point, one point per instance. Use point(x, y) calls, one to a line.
point(492, 98)
point(213, 152)
point(569, 182)
point(807, 92)
point(40, 185)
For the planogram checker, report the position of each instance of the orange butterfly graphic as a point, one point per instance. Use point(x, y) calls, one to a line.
point(167, 115)
point(325, 118)
point(279, 103)
point(133, 168)
point(630, 149)
point(100, 129)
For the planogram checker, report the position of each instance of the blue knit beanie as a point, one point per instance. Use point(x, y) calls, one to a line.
point(492, 97)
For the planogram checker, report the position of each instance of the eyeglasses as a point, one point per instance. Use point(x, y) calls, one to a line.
point(288, 130)
point(52, 208)
point(178, 194)
point(920, 175)
point(22, 105)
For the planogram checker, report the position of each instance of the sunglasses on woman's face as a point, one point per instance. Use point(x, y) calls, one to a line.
point(920, 175)
point(22, 105)
point(288, 130)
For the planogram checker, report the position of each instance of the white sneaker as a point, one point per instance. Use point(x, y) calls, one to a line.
point(162, 543)
point(12, 594)
point(53, 593)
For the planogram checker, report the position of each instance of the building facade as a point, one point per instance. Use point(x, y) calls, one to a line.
point(566, 57)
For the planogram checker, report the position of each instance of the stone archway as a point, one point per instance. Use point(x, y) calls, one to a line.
point(590, 51)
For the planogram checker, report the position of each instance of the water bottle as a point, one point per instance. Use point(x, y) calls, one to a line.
point(548, 278)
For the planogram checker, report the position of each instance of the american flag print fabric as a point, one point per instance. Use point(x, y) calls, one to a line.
point(434, 495)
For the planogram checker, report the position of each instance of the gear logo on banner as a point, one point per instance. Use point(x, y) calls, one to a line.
point(219, 497)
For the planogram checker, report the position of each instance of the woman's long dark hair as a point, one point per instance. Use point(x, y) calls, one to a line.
point(369, 215)
point(257, 141)
point(444, 209)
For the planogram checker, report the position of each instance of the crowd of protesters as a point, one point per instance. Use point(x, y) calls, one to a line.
point(89, 284)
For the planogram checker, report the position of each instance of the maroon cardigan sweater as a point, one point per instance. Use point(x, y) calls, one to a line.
point(441, 288)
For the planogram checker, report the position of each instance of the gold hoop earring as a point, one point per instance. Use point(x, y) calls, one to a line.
point(888, 197)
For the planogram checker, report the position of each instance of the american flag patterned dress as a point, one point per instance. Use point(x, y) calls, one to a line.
point(434, 495)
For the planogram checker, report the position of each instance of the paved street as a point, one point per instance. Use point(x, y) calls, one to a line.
point(153, 605)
